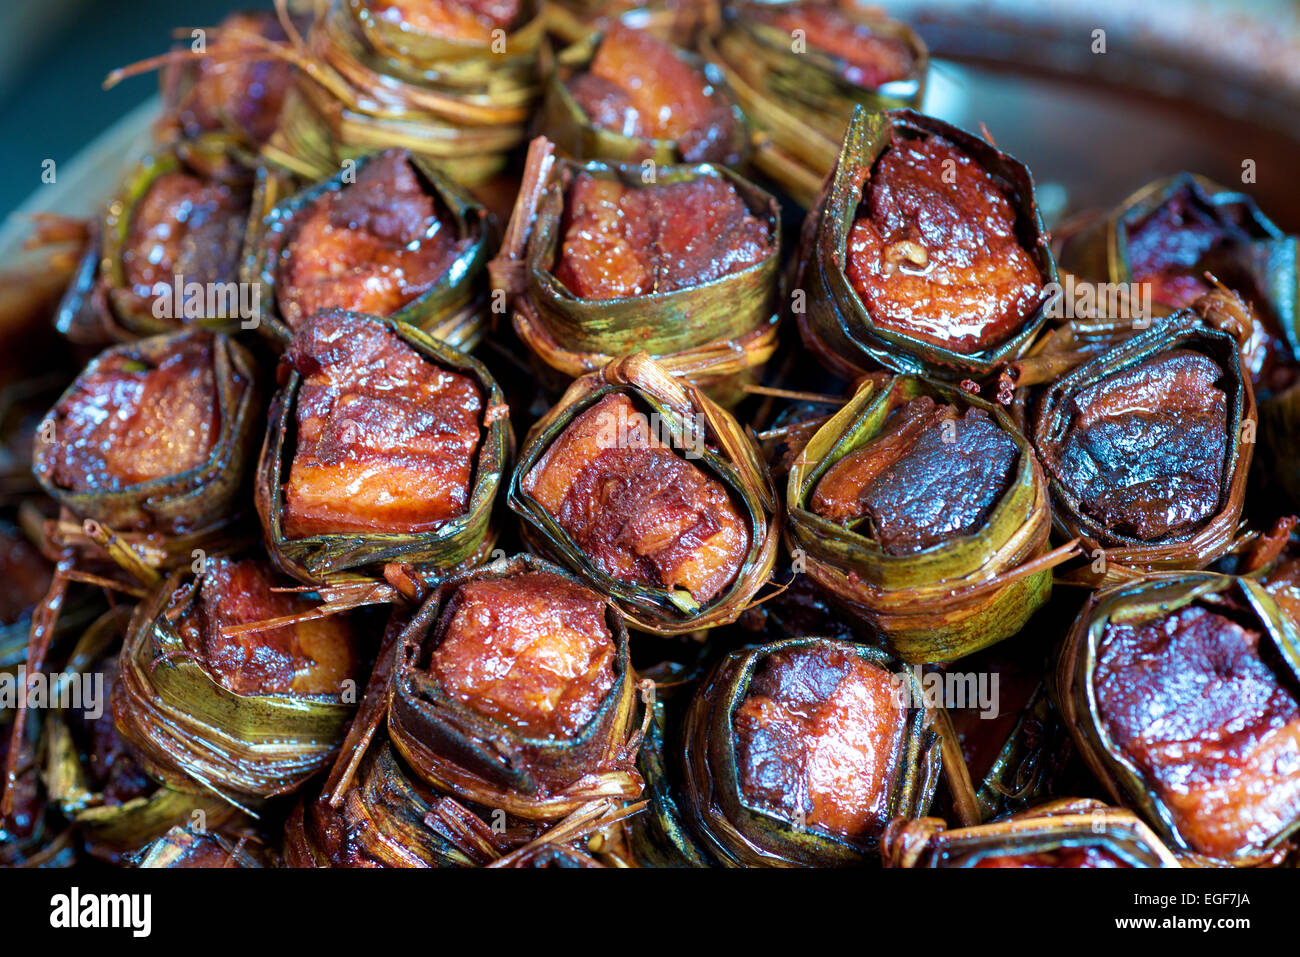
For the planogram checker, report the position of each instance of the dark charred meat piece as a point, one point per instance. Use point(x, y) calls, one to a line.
point(640, 511)
point(1147, 448)
point(638, 85)
point(817, 740)
point(239, 89)
point(933, 475)
point(869, 59)
point(125, 422)
point(1193, 703)
point(372, 247)
point(622, 241)
point(532, 651)
point(1060, 857)
point(934, 253)
point(386, 438)
point(470, 21)
point(185, 226)
point(312, 657)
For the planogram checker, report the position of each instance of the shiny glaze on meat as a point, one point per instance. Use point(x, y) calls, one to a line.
point(934, 254)
point(468, 21)
point(1191, 701)
point(1178, 242)
point(1148, 446)
point(932, 475)
point(532, 651)
point(817, 739)
point(638, 85)
point(372, 247)
point(124, 423)
point(622, 241)
point(309, 658)
point(386, 438)
point(188, 226)
point(640, 511)
point(870, 60)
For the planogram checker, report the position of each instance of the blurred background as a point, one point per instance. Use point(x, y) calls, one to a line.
point(1196, 84)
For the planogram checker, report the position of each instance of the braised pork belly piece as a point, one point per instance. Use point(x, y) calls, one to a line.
point(184, 225)
point(373, 246)
point(933, 474)
point(386, 438)
point(868, 58)
point(639, 510)
point(638, 85)
point(311, 657)
point(1147, 447)
point(127, 421)
point(817, 740)
point(1197, 704)
point(934, 253)
point(620, 241)
point(532, 651)
point(467, 21)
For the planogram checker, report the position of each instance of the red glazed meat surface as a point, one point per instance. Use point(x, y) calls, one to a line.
point(621, 241)
point(371, 247)
point(1192, 702)
point(1147, 448)
point(533, 651)
point(638, 85)
point(312, 657)
point(386, 438)
point(934, 253)
point(188, 226)
point(639, 510)
point(817, 740)
point(126, 422)
point(869, 58)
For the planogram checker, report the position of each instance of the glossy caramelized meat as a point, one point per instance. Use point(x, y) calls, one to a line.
point(934, 253)
point(817, 740)
point(638, 85)
point(25, 573)
point(125, 422)
point(1147, 448)
point(869, 59)
point(312, 657)
point(386, 438)
point(532, 651)
point(640, 511)
point(1176, 244)
point(932, 475)
point(185, 226)
point(243, 89)
point(1193, 702)
point(372, 247)
point(1059, 857)
point(469, 21)
point(624, 241)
